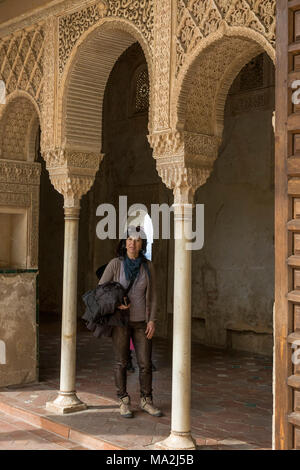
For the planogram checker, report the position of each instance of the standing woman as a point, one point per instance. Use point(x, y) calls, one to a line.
point(132, 265)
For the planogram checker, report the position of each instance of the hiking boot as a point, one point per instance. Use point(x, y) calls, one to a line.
point(124, 407)
point(147, 405)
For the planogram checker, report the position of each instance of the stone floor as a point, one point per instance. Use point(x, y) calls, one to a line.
point(17, 434)
point(231, 397)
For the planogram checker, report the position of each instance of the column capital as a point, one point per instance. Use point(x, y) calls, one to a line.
point(184, 160)
point(72, 172)
point(182, 180)
point(194, 149)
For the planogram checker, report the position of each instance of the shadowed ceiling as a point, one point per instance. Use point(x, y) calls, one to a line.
point(10, 9)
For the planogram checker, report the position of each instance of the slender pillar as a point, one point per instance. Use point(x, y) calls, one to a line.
point(67, 400)
point(180, 437)
point(184, 162)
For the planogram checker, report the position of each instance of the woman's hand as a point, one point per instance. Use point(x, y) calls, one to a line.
point(123, 307)
point(150, 329)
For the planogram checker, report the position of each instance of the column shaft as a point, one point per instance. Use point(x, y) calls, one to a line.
point(181, 379)
point(180, 437)
point(69, 311)
point(67, 401)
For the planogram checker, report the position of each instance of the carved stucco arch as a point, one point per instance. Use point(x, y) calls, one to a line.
point(19, 123)
point(202, 86)
point(84, 80)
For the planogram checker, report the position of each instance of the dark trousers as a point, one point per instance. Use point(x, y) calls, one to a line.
point(143, 350)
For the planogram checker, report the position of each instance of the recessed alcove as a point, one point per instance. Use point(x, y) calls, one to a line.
point(13, 245)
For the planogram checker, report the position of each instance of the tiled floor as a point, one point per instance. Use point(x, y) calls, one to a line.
point(231, 395)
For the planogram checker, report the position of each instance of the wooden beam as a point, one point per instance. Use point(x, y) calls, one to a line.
point(282, 392)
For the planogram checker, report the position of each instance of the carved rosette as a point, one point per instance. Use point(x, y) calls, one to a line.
point(72, 173)
point(184, 161)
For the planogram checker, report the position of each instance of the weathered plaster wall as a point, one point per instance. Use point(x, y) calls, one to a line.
point(233, 275)
point(18, 328)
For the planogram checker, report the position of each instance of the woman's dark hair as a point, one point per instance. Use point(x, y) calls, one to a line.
point(132, 231)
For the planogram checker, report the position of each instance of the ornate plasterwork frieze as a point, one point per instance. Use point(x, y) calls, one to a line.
point(73, 25)
point(21, 61)
point(196, 19)
point(162, 64)
point(48, 108)
point(14, 199)
point(61, 158)
point(194, 148)
point(23, 173)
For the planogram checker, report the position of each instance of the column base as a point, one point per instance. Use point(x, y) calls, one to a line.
point(66, 403)
point(177, 441)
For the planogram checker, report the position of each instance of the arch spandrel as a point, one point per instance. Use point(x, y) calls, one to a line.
point(84, 80)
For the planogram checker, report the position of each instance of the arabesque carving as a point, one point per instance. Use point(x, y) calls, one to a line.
point(16, 126)
point(193, 148)
point(23, 173)
point(162, 52)
point(202, 94)
point(184, 160)
point(196, 19)
point(48, 107)
point(183, 180)
point(58, 158)
point(21, 61)
point(72, 26)
point(72, 173)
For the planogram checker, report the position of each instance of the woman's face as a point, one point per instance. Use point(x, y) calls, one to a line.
point(133, 246)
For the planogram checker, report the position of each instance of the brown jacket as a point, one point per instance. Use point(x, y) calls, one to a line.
point(112, 273)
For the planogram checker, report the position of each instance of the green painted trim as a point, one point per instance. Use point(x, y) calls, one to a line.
point(17, 271)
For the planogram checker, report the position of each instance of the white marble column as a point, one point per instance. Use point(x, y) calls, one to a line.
point(67, 400)
point(180, 437)
point(184, 161)
point(72, 174)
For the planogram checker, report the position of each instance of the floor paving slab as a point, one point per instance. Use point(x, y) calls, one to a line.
point(227, 409)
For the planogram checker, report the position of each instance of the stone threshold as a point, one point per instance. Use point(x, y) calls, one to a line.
point(93, 443)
